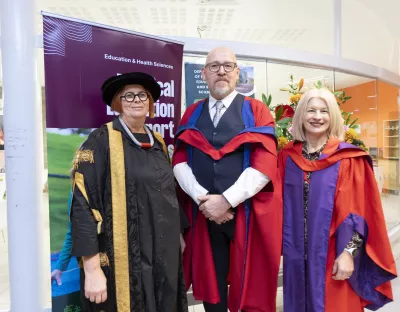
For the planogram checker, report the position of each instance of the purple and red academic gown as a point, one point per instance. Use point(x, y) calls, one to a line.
point(256, 250)
point(343, 198)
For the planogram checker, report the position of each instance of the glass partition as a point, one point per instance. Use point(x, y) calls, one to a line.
point(389, 150)
point(361, 106)
point(252, 79)
point(279, 76)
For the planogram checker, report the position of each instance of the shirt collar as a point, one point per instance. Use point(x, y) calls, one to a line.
point(226, 101)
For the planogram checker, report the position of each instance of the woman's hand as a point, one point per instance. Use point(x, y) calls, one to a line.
point(95, 280)
point(343, 267)
point(96, 286)
point(183, 244)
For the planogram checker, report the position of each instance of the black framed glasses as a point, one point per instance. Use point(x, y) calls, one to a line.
point(228, 67)
point(130, 97)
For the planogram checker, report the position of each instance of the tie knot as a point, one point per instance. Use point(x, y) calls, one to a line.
point(219, 105)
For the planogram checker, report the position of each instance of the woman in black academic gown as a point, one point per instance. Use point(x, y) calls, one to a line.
point(125, 215)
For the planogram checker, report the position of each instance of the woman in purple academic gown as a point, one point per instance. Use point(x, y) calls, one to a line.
point(336, 251)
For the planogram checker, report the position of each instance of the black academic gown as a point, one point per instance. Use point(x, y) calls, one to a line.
point(153, 223)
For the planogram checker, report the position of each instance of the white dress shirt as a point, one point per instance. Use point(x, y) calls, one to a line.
point(226, 103)
point(249, 183)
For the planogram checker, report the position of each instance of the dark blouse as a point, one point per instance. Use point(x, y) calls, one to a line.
point(356, 240)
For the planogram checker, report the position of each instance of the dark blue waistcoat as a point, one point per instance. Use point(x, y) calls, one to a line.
point(218, 176)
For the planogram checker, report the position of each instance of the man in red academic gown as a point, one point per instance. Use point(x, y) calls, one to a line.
point(226, 165)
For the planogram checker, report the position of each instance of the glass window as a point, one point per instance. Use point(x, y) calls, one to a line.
point(389, 150)
point(375, 106)
point(361, 107)
point(279, 77)
point(193, 86)
point(252, 79)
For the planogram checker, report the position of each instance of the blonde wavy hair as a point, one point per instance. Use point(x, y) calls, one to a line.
point(336, 127)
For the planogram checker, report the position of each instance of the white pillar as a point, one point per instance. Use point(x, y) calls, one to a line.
point(337, 28)
point(22, 130)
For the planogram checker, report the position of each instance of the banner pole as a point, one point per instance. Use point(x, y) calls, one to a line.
point(23, 157)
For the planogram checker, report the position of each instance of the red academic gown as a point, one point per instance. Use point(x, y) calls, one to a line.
point(356, 204)
point(255, 258)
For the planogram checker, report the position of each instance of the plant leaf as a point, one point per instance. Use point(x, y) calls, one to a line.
point(284, 123)
point(348, 119)
point(269, 100)
point(279, 112)
point(355, 120)
point(264, 99)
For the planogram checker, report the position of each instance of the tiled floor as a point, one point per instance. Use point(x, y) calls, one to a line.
point(392, 216)
point(391, 307)
point(199, 307)
point(4, 277)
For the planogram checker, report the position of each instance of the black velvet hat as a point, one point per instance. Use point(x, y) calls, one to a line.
point(113, 84)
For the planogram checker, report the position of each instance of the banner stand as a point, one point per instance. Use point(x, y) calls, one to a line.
point(78, 57)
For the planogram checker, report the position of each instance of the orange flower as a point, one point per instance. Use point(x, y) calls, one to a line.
point(282, 141)
point(350, 135)
point(301, 83)
point(294, 99)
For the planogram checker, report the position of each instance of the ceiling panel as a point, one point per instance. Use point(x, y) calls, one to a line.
point(304, 25)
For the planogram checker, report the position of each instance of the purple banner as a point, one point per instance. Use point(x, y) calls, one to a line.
point(79, 57)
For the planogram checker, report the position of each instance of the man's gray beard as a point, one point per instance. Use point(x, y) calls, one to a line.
point(222, 91)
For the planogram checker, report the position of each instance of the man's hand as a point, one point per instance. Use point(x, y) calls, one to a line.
point(56, 275)
point(214, 207)
point(343, 267)
point(228, 216)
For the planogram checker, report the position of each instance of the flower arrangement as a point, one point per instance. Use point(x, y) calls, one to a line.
point(283, 113)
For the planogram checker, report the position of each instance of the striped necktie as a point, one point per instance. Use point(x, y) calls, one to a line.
point(219, 105)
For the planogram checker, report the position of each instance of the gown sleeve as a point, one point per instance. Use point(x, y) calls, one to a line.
point(183, 219)
point(355, 242)
point(65, 254)
point(89, 178)
point(359, 209)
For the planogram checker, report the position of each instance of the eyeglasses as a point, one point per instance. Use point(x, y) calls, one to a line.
point(228, 67)
point(130, 97)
